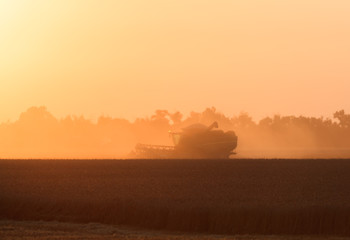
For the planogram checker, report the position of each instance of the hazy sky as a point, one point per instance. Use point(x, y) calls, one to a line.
point(128, 58)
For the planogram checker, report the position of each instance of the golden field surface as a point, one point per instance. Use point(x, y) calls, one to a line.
point(230, 197)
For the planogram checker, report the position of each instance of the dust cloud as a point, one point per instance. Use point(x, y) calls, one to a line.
point(38, 134)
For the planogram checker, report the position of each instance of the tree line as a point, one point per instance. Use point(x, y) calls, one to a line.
point(38, 134)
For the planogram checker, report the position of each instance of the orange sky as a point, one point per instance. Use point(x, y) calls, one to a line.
point(128, 58)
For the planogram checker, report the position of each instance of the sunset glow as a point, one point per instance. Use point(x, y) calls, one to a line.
point(175, 119)
point(128, 58)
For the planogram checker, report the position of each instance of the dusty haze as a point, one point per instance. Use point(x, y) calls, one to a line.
point(39, 134)
point(128, 58)
point(86, 60)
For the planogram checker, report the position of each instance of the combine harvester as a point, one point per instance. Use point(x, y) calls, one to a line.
point(195, 141)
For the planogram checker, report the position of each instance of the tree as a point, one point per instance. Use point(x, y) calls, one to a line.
point(344, 119)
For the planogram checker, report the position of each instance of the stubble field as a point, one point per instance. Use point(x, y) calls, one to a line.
point(262, 197)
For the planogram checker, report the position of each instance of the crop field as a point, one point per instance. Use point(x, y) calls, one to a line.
point(255, 197)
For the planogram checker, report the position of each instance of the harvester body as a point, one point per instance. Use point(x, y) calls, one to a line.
point(195, 141)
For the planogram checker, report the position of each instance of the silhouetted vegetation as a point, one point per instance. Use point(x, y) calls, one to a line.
point(38, 134)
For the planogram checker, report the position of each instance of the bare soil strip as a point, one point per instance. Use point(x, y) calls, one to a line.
point(40, 230)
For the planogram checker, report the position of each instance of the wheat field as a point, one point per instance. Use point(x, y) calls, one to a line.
point(240, 196)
